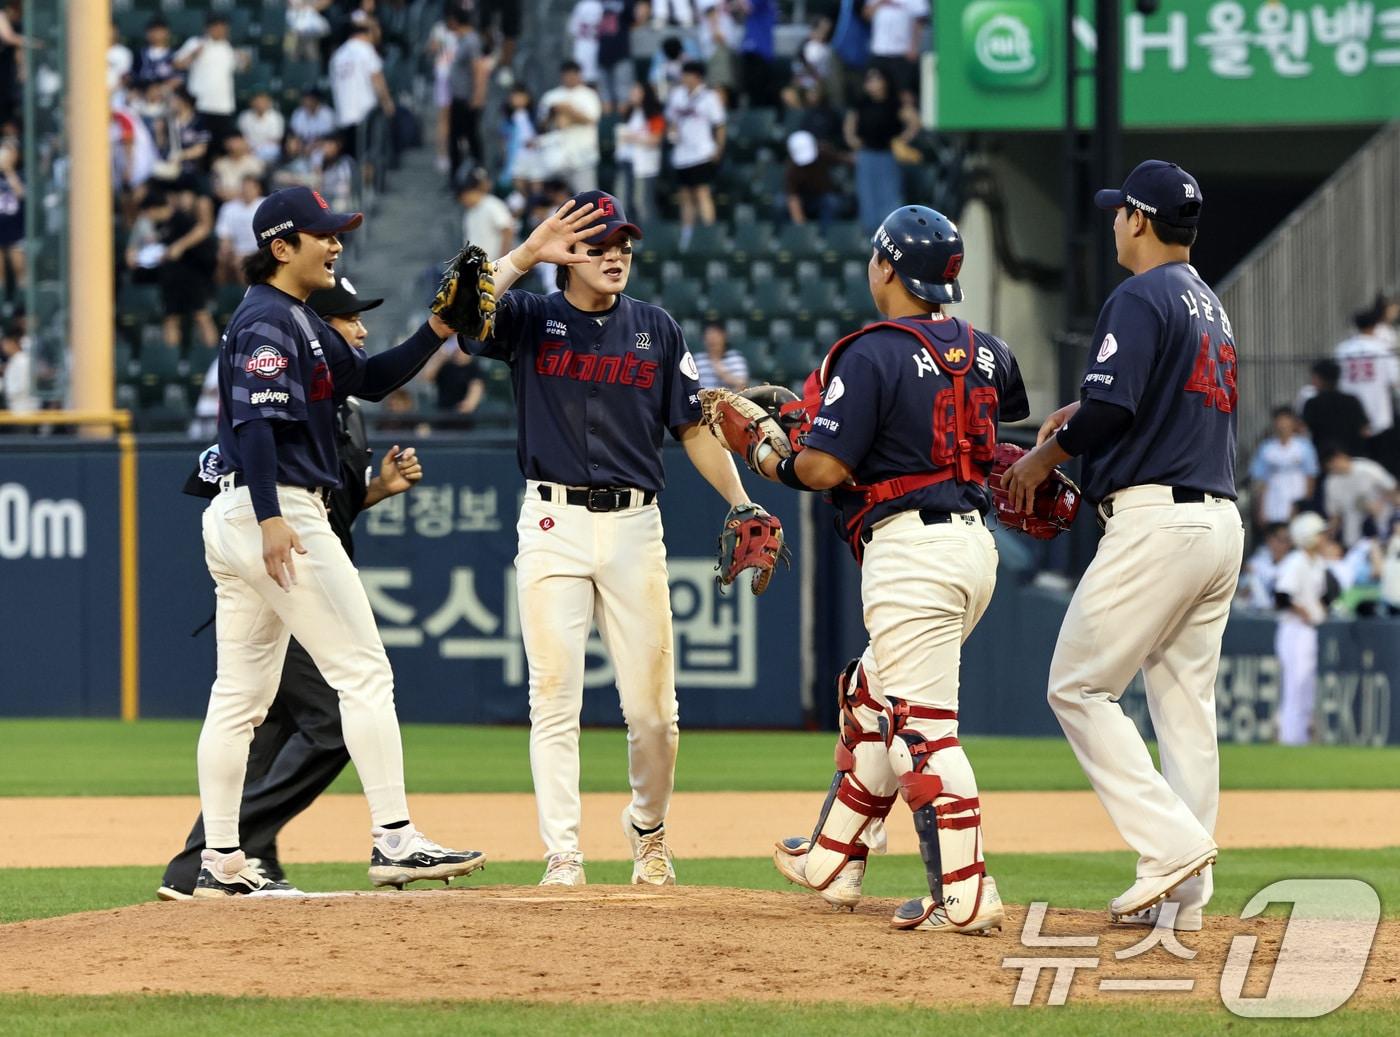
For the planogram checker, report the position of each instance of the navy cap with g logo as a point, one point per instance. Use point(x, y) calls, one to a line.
point(299, 209)
point(1162, 190)
point(613, 219)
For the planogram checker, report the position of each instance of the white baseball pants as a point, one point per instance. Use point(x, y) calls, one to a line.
point(576, 567)
point(328, 613)
point(1295, 642)
point(1155, 598)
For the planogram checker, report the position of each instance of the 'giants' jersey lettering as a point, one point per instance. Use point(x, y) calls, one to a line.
point(556, 360)
point(592, 408)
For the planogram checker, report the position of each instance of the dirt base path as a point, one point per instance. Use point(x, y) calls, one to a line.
point(610, 944)
point(147, 830)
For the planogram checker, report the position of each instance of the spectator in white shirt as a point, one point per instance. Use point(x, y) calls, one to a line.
point(642, 135)
point(1284, 470)
point(696, 120)
point(230, 169)
point(572, 110)
point(894, 41)
point(119, 62)
point(209, 62)
point(263, 127)
point(1301, 593)
point(720, 366)
point(1261, 569)
point(234, 229)
point(358, 86)
point(584, 23)
point(1356, 488)
point(19, 374)
point(1370, 371)
point(486, 220)
point(312, 120)
point(442, 48)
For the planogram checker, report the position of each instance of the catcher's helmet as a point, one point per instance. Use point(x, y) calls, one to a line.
point(926, 251)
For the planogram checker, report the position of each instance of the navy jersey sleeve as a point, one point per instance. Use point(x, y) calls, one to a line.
point(845, 426)
point(1124, 350)
point(265, 377)
point(682, 403)
point(514, 330)
point(1012, 402)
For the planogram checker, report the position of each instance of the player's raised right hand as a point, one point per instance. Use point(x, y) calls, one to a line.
point(279, 540)
point(551, 241)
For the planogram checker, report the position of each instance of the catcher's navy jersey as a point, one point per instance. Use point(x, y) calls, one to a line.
point(1164, 350)
point(279, 361)
point(879, 415)
point(593, 391)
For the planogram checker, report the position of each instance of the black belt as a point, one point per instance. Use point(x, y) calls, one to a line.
point(606, 498)
point(928, 516)
point(1180, 495)
point(320, 491)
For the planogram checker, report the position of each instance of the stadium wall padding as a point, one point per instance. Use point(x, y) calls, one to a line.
point(438, 566)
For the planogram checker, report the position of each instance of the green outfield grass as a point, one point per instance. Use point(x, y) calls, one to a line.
point(29, 1016)
point(156, 757)
point(1077, 880)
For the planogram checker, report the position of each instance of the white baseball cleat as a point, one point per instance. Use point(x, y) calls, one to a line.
point(790, 858)
point(1170, 913)
point(1146, 892)
point(564, 869)
point(925, 913)
point(651, 857)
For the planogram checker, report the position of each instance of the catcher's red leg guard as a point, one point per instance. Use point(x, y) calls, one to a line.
point(937, 782)
point(862, 792)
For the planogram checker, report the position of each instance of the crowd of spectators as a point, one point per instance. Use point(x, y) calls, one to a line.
point(1333, 453)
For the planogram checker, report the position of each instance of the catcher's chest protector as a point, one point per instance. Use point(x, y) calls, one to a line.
point(964, 407)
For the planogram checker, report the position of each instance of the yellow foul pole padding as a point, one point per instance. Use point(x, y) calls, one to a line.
point(91, 307)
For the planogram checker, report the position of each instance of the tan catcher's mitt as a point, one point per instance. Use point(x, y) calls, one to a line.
point(743, 425)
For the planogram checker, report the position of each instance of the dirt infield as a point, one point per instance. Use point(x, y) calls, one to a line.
point(599, 944)
point(147, 830)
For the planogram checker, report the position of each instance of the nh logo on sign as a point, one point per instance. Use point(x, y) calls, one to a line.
point(1008, 44)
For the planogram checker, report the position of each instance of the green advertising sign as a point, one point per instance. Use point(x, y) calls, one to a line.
point(1001, 63)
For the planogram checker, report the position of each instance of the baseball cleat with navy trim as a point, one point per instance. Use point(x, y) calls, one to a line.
point(231, 875)
point(844, 889)
point(927, 914)
point(404, 855)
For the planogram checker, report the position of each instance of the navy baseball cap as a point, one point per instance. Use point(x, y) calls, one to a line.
point(1161, 190)
point(340, 300)
point(613, 218)
point(299, 209)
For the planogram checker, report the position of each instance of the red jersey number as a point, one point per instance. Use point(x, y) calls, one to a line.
point(980, 430)
point(1210, 371)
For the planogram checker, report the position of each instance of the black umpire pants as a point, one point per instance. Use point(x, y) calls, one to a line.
point(297, 751)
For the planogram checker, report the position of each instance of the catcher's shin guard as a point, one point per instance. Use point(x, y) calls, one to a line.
point(863, 790)
point(937, 782)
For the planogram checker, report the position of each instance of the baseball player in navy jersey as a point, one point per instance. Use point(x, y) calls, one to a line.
point(1155, 428)
point(599, 377)
point(299, 750)
point(903, 432)
point(278, 568)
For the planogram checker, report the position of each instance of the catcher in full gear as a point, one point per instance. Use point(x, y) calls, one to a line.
point(599, 378)
point(899, 427)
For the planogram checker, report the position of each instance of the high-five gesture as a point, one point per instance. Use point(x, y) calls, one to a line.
point(552, 240)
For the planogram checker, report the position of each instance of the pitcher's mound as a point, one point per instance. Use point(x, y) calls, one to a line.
point(596, 943)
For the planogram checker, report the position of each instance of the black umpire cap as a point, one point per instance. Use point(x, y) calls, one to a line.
point(340, 300)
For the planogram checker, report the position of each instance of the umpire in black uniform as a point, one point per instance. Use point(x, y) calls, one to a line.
point(299, 749)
